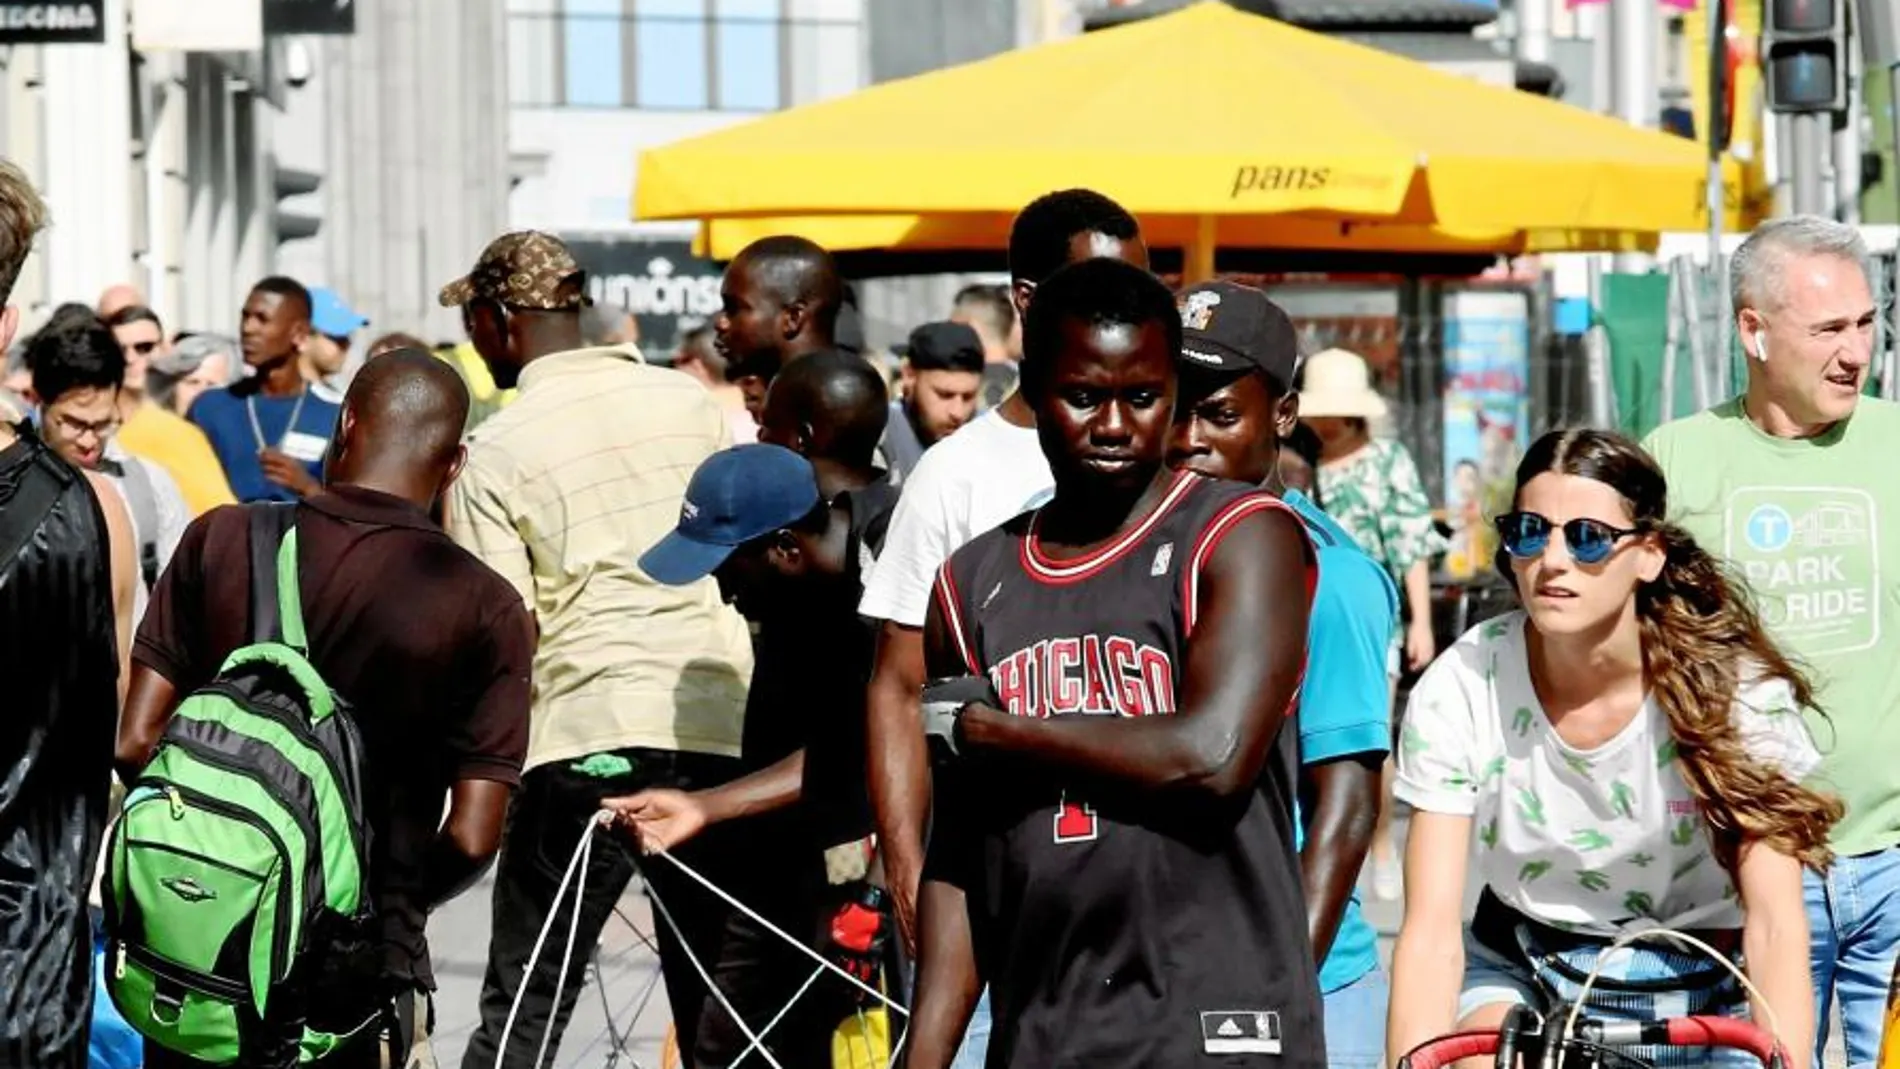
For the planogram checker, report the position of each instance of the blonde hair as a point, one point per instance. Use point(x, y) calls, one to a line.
point(22, 217)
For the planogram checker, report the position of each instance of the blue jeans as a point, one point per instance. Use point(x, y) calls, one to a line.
point(976, 1037)
point(1854, 922)
point(1355, 1023)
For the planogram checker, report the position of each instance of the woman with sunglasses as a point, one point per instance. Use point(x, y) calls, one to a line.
point(1626, 751)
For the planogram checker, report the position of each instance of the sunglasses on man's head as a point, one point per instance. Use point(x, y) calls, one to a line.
point(1526, 534)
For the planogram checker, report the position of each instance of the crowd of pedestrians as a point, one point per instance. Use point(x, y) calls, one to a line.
point(1044, 676)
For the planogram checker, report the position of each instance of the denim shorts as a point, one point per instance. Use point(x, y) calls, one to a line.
point(1355, 1023)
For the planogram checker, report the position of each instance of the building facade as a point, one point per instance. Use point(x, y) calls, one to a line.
point(188, 158)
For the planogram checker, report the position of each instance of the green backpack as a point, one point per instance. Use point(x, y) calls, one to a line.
point(235, 892)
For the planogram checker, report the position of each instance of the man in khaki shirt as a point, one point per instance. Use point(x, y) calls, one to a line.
point(637, 685)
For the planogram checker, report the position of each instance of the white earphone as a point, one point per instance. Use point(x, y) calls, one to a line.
point(1761, 346)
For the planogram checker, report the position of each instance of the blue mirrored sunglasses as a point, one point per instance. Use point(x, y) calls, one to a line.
point(1526, 534)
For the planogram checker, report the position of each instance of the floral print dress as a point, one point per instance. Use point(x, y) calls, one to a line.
point(1377, 496)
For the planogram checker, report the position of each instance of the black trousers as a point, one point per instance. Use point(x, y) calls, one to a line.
point(754, 969)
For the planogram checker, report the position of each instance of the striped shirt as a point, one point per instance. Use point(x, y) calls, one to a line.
point(563, 490)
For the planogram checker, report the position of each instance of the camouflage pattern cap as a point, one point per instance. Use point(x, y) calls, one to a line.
point(522, 269)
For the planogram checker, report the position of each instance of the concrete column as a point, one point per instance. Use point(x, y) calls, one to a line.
point(1533, 31)
point(23, 141)
point(407, 121)
point(88, 166)
point(1810, 143)
point(166, 191)
point(1634, 30)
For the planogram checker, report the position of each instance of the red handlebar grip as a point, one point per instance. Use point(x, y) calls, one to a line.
point(1440, 1052)
point(1725, 1032)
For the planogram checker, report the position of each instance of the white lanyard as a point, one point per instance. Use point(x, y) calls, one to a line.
point(257, 429)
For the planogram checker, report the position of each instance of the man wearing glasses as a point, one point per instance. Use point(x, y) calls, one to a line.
point(78, 371)
point(153, 432)
point(1793, 482)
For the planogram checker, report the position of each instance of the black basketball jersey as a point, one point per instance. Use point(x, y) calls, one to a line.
point(1119, 927)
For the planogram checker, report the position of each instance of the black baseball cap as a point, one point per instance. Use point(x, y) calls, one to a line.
point(1227, 327)
point(943, 347)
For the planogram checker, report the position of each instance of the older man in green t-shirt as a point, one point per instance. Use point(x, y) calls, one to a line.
point(1797, 484)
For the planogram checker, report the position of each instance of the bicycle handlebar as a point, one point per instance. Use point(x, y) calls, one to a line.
point(1726, 1032)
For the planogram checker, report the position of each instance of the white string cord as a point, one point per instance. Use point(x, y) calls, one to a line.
point(540, 941)
point(706, 978)
point(1660, 934)
point(573, 936)
point(780, 932)
point(897, 1048)
point(576, 874)
point(773, 1023)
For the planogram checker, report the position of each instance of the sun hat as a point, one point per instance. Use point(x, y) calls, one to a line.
point(1338, 383)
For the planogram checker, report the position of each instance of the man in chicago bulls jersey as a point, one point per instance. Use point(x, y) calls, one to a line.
point(1112, 843)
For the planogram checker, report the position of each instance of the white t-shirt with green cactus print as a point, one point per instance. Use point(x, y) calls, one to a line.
point(1599, 840)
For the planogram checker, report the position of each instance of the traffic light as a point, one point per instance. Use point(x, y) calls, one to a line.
point(297, 221)
point(1804, 56)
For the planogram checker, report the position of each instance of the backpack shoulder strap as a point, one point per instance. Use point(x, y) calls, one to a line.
point(144, 502)
point(274, 617)
point(40, 487)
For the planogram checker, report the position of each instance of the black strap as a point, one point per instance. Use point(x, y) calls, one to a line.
point(41, 485)
point(270, 520)
point(871, 509)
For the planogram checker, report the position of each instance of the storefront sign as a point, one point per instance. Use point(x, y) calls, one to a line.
point(309, 16)
point(668, 289)
point(1487, 416)
point(197, 25)
point(42, 24)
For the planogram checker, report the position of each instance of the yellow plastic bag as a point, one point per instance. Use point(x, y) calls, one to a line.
point(863, 1041)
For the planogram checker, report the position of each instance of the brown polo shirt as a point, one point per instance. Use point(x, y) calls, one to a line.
point(429, 645)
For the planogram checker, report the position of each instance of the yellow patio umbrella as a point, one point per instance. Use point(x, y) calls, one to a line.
point(722, 238)
point(1208, 115)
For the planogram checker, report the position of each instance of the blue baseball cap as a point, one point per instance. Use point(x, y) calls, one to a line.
point(736, 495)
point(329, 314)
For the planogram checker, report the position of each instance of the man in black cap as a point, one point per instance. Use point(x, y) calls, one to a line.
point(943, 374)
point(1239, 352)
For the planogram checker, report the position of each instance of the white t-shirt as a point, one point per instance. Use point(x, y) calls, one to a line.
point(1600, 840)
point(985, 474)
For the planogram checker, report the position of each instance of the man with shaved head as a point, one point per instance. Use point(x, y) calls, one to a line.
point(779, 301)
point(117, 298)
point(443, 709)
point(831, 408)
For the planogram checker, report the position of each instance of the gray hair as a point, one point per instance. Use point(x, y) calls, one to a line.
point(1754, 273)
point(189, 352)
point(186, 356)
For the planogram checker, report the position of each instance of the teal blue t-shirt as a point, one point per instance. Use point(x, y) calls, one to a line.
point(1344, 701)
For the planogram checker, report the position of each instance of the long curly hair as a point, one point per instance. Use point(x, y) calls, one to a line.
point(1701, 636)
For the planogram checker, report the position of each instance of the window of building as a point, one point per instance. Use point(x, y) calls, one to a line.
point(590, 53)
point(680, 55)
point(750, 37)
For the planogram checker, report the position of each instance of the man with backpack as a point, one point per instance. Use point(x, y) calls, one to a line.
point(435, 711)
